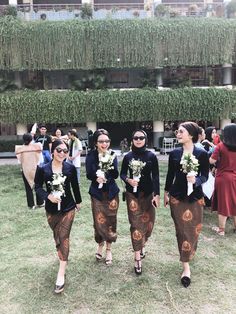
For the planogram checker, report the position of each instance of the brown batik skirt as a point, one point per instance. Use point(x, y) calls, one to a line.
point(61, 224)
point(141, 215)
point(105, 218)
point(188, 225)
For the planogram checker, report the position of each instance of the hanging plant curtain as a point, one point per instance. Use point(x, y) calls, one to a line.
point(117, 106)
point(115, 43)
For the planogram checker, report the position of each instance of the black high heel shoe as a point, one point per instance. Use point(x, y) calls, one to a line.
point(59, 289)
point(142, 253)
point(186, 281)
point(138, 268)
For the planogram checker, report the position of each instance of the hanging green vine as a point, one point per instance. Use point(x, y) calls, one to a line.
point(90, 44)
point(116, 105)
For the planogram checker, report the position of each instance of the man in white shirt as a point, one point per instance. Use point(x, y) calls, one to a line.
point(75, 149)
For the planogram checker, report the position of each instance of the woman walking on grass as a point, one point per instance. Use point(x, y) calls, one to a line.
point(102, 170)
point(28, 156)
point(187, 169)
point(59, 177)
point(140, 172)
point(224, 197)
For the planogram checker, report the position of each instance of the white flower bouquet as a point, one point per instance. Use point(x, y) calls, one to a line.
point(189, 166)
point(57, 186)
point(136, 166)
point(105, 164)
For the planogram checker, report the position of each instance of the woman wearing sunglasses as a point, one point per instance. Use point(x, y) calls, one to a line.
point(102, 170)
point(59, 176)
point(140, 172)
point(186, 205)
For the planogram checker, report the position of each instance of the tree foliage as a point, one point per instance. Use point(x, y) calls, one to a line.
point(116, 105)
point(99, 44)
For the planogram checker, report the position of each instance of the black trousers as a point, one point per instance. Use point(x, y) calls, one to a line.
point(30, 195)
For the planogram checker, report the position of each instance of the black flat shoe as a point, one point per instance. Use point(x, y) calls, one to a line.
point(186, 281)
point(59, 289)
point(98, 257)
point(138, 269)
point(142, 253)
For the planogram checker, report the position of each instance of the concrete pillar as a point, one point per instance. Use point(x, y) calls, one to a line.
point(17, 78)
point(158, 131)
point(21, 128)
point(224, 122)
point(91, 126)
point(159, 80)
point(227, 73)
point(216, 123)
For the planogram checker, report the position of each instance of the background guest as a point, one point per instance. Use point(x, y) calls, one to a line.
point(28, 156)
point(224, 197)
point(46, 142)
point(75, 149)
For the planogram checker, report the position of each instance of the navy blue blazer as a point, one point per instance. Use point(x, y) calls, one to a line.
point(110, 186)
point(44, 175)
point(149, 181)
point(176, 181)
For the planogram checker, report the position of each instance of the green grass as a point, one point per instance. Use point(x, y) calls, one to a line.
point(28, 263)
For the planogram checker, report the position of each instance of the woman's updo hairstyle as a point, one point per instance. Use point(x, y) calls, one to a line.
point(99, 132)
point(192, 128)
point(27, 138)
point(57, 143)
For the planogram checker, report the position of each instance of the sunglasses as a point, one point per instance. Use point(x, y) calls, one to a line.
point(141, 138)
point(105, 141)
point(179, 131)
point(60, 150)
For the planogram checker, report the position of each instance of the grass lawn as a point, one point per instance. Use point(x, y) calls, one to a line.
point(28, 263)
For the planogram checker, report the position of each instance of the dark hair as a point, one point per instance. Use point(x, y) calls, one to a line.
point(144, 134)
point(27, 138)
point(208, 132)
point(59, 130)
point(99, 132)
point(72, 132)
point(229, 136)
point(200, 130)
point(42, 126)
point(57, 143)
point(192, 128)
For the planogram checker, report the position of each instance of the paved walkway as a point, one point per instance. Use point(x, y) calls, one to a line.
point(13, 161)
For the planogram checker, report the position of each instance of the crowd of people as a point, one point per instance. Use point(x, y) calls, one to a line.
point(52, 166)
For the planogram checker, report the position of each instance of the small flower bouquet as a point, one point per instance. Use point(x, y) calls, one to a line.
point(189, 166)
point(136, 166)
point(57, 186)
point(105, 164)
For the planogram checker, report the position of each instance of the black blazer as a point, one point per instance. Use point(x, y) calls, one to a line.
point(149, 181)
point(176, 181)
point(44, 174)
point(110, 186)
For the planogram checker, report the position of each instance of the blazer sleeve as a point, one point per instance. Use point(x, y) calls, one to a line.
point(39, 182)
point(91, 168)
point(170, 173)
point(155, 176)
point(113, 173)
point(124, 169)
point(75, 186)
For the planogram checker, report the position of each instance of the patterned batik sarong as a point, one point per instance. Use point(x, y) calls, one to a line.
point(105, 218)
point(188, 225)
point(61, 224)
point(141, 215)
